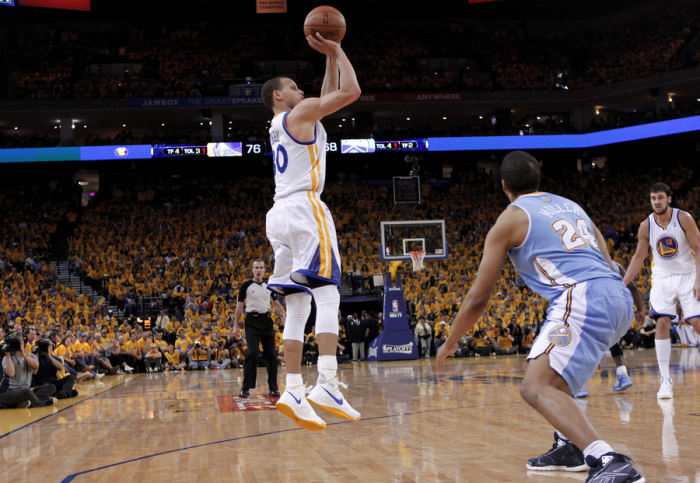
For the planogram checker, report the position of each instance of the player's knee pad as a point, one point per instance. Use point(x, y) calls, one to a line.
point(327, 304)
point(616, 350)
point(298, 310)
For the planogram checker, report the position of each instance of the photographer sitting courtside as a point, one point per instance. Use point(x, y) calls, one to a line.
point(18, 368)
point(49, 369)
point(199, 356)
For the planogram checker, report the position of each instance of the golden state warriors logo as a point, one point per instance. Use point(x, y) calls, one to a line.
point(560, 336)
point(546, 199)
point(667, 246)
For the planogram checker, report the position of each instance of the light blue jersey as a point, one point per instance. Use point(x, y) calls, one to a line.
point(560, 249)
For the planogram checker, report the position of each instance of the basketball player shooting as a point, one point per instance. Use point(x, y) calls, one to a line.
point(674, 240)
point(302, 233)
point(562, 256)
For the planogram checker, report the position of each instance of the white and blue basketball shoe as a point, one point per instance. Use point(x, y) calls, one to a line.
point(326, 395)
point(294, 405)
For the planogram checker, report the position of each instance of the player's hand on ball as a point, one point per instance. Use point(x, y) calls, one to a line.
point(318, 43)
point(445, 350)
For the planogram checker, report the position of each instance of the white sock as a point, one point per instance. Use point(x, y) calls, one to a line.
point(294, 380)
point(327, 368)
point(663, 355)
point(561, 436)
point(598, 449)
point(622, 371)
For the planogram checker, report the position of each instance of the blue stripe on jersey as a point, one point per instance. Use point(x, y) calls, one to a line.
point(560, 249)
point(315, 268)
point(284, 125)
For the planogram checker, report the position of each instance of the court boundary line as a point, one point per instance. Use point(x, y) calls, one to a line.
point(69, 407)
point(70, 478)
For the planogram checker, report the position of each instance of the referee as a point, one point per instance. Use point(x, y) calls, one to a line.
point(254, 295)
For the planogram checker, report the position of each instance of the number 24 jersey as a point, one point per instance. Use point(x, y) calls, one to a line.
point(560, 249)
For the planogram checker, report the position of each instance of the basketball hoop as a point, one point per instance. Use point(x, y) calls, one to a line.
point(417, 257)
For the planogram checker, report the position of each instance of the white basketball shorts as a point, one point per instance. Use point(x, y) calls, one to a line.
point(582, 324)
point(302, 233)
point(670, 291)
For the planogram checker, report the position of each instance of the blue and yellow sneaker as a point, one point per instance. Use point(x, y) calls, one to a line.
point(294, 405)
point(327, 395)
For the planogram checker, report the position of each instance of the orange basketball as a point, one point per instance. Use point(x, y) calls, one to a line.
point(328, 21)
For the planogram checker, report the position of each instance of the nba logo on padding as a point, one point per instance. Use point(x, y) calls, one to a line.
point(395, 305)
point(560, 336)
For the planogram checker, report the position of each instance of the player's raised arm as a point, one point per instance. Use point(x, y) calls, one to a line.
point(330, 80)
point(640, 254)
point(316, 108)
point(509, 231)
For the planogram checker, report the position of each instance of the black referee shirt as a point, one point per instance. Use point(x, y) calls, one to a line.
point(256, 297)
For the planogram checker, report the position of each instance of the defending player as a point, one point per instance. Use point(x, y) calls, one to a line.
point(301, 230)
point(562, 256)
point(674, 240)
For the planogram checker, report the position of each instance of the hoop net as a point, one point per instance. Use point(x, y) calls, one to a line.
point(417, 257)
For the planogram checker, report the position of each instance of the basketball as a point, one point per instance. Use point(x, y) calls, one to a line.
point(328, 21)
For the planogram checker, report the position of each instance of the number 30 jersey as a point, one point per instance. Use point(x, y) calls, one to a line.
point(560, 248)
point(672, 252)
point(298, 166)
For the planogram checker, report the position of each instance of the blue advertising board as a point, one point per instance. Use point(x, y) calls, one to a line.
point(104, 153)
point(212, 101)
point(566, 141)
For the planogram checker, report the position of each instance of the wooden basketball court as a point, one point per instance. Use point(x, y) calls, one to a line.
point(467, 424)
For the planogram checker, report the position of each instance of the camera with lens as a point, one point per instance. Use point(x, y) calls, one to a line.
point(11, 344)
point(197, 344)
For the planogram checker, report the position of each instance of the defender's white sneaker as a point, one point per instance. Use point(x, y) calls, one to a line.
point(666, 391)
point(327, 396)
point(294, 405)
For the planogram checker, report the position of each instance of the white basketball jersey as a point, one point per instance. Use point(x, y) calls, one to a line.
point(670, 247)
point(298, 166)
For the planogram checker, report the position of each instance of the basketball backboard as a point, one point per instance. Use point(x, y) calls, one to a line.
point(401, 237)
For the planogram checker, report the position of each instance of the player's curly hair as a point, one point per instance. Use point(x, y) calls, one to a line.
point(521, 172)
point(274, 84)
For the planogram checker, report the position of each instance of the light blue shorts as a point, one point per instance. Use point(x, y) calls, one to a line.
point(582, 324)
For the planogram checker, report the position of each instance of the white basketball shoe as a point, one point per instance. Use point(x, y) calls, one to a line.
point(294, 405)
point(326, 395)
point(666, 390)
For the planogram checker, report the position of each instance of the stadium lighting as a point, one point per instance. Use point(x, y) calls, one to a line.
point(444, 117)
point(408, 118)
point(83, 182)
point(15, 128)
